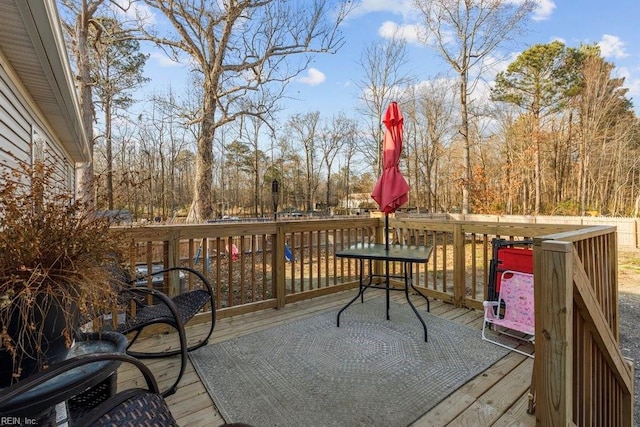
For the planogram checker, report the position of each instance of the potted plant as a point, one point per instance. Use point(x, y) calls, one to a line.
point(53, 254)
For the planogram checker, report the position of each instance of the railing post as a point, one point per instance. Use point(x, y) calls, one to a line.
point(459, 270)
point(172, 257)
point(277, 265)
point(553, 295)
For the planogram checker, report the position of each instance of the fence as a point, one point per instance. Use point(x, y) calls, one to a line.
point(628, 230)
point(580, 375)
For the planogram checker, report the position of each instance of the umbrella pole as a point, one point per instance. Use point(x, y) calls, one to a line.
point(386, 244)
point(386, 231)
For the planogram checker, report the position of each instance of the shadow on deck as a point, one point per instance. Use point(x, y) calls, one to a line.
point(496, 397)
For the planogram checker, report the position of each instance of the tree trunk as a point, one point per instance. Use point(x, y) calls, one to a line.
point(538, 164)
point(84, 171)
point(256, 184)
point(109, 152)
point(464, 130)
point(202, 205)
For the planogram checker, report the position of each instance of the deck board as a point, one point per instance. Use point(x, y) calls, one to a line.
point(497, 396)
point(490, 406)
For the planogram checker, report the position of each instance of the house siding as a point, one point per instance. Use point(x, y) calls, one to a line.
point(19, 123)
point(15, 124)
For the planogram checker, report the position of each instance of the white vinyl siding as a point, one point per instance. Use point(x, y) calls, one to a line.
point(23, 137)
point(15, 124)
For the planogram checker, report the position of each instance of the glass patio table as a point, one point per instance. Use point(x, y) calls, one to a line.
point(407, 255)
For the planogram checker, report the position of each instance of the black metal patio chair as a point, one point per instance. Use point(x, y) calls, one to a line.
point(148, 306)
point(23, 403)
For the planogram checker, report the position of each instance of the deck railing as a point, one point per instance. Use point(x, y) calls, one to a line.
point(580, 375)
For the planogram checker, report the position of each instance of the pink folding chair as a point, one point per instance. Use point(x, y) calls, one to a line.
point(513, 313)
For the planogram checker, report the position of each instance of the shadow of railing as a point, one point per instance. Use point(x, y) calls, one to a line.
point(580, 375)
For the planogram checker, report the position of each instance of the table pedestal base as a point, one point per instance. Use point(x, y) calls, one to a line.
point(408, 282)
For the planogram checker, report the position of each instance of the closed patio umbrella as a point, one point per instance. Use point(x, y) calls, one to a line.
point(391, 190)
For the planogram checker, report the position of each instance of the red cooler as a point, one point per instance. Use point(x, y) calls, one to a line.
point(515, 255)
point(515, 259)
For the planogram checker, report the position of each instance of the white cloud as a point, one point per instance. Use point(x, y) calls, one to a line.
point(135, 11)
point(406, 8)
point(634, 89)
point(163, 60)
point(411, 30)
point(313, 78)
point(622, 72)
point(544, 10)
point(399, 7)
point(492, 65)
point(612, 47)
point(390, 29)
point(631, 83)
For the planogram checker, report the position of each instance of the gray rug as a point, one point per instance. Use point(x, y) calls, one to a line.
point(368, 372)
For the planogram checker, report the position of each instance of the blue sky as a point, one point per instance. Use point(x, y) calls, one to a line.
point(329, 85)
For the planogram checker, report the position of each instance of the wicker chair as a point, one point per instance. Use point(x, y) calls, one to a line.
point(149, 306)
point(132, 407)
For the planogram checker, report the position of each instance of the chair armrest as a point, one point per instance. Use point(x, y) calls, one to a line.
point(490, 309)
point(200, 276)
point(8, 404)
point(138, 295)
point(190, 270)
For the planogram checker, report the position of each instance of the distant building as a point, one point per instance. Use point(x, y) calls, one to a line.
point(357, 203)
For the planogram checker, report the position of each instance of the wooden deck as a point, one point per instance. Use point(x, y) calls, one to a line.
point(496, 397)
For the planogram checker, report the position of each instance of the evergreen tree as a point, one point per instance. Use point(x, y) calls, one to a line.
point(118, 70)
point(539, 82)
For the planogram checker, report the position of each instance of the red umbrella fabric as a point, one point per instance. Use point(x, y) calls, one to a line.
point(391, 190)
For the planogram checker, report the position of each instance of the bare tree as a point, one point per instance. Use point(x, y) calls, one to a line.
point(251, 129)
point(239, 170)
point(84, 30)
point(288, 170)
point(348, 153)
point(117, 72)
point(428, 119)
point(385, 80)
point(305, 131)
point(604, 124)
point(465, 32)
point(335, 134)
point(168, 138)
point(236, 47)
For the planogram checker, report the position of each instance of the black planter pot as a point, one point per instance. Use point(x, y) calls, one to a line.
point(49, 335)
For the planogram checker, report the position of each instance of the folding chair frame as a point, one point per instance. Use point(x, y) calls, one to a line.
point(516, 302)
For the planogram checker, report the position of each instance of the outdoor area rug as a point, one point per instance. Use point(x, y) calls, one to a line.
point(368, 372)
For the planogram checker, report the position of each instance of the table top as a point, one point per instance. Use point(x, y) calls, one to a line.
point(379, 251)
point(81, 377)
